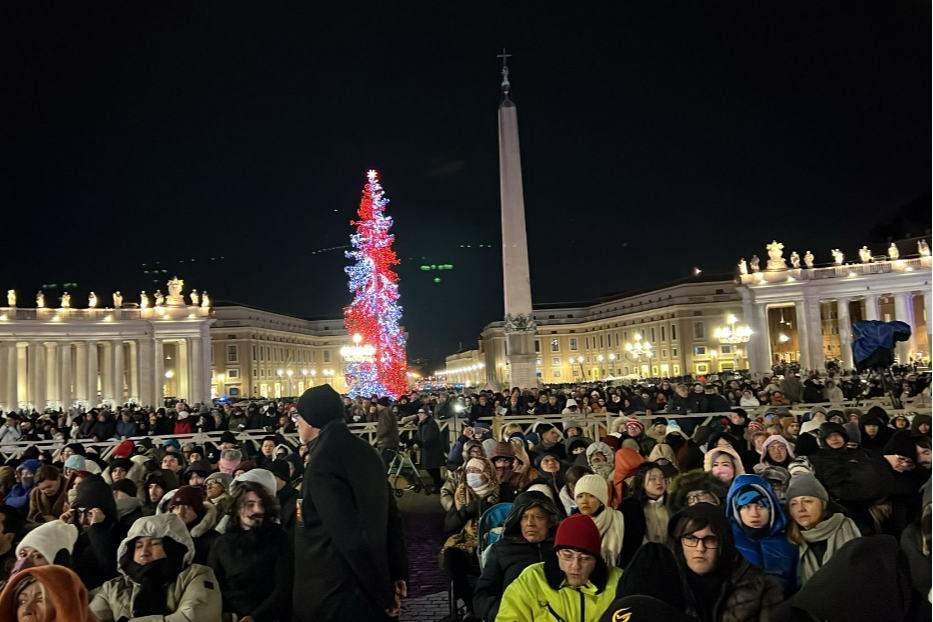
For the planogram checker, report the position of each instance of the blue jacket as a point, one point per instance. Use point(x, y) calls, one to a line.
point(768, 548)
point(126, 429)
point(19, 497)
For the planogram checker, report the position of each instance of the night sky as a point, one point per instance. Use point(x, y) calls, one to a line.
point(229, 143)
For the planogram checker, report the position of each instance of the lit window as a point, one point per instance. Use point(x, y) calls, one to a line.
point(555, 360)
point(700, 350)
point(555, 345)
point(557, 374)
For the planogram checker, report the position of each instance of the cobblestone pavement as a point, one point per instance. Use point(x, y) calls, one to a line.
point(423, 519)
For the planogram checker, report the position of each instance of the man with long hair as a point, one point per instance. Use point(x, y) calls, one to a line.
point(253, 558)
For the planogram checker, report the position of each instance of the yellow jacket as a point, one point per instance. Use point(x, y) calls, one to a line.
point(540, 594)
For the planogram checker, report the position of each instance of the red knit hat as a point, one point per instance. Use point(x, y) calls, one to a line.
point(123, 450)
point(634, 422)
point(192, 496)
point(579, 532)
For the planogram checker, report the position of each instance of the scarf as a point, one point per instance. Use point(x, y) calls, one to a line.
point(611, 527)
point(153, 579)
point(604, 469)
point(834, 531)
point(42, 505)
point(466, 540)
point(656, 520)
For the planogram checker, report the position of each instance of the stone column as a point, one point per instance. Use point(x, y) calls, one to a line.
point(205, 364)
point(106, 371)
point(40, 397)
point(927, 320)
point(12, 378)
point(902, 313)
point(51, 372)
point(815, 334)
point(146, 371)
point(7, 392)
point(22, 372)
point(183, 371)
point(80, 372)
point(763, 339)
point(91, 379)
point(158, 368)
point(65, 393)
point(803, 334)
point(119, 372)
point(132, 369)
point(197, 373)
point(872, 311)
point(845, 332)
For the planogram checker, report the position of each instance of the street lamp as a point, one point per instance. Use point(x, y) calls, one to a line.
point(356, 356)
point(640, 349)
point(733, 334)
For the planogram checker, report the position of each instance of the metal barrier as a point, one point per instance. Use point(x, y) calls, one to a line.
point(596, 425)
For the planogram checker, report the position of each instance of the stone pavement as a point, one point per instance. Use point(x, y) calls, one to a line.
point(423, 520)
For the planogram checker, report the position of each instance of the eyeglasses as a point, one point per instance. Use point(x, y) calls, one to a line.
point(698, 497)
point(710, 542)
point(570, 556)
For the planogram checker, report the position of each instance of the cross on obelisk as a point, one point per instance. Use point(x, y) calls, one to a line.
point(519, 325)
point(505, 69)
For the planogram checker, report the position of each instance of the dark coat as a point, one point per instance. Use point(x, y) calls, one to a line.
point(95, 553)
point(511, 554)
point(255, 571)
point(288, 506)
point(349, 545)
point(432, 449)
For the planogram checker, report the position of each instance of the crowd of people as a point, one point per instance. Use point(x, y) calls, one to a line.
point(651, 507)
point(276, 532)
point(728, 517)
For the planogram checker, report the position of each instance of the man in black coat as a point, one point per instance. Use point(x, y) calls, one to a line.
point(528, 538)
point(432, 448)
point(94, 512)
point(253, 558)
point(350, 560)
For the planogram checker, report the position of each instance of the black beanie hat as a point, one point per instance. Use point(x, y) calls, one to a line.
point(124, 485)
point(228, 437)
point(320, 405)
point(642, 608)
point(833, 428)
point(901, 444)
point(121, 463)
point(281, 470)
point(95, 493)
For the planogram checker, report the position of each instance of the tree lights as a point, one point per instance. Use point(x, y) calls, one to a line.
point(373, 316)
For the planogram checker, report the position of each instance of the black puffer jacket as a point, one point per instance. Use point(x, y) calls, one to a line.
point(512, 553)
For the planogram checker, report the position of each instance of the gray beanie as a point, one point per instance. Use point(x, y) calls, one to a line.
point(224, 479)
point(805, 485)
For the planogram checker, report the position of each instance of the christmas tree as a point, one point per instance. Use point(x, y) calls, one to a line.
point(376, 366)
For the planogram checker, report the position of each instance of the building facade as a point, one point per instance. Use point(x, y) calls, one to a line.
point(805, 314)
point(256, 353)
point(668, 331)
point(65, 356)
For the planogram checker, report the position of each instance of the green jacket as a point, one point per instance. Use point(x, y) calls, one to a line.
point(540, 594)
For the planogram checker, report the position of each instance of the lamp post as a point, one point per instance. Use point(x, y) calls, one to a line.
point(356, 356)
point(640, 349)
point(733, 334)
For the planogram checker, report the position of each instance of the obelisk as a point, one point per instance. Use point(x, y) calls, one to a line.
point(516, 276)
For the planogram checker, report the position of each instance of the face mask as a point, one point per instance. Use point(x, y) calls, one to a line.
point(27, 481)
point(724, 473)
point(21, 564)
point(474, 480)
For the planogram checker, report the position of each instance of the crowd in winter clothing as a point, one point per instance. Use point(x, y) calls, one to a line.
point(700, 518)
point(181, 532)
point(634, 512)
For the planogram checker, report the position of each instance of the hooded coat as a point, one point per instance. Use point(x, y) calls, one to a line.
point(455, 476)
point(872, 417)
point(62, 586)
point(95, 552)
point(432, 448)
point(746, 593)
point(766, 547)
point(202, 532)
point(512, 553)
point(349, 544)
point(255, 572)
point(193, 596)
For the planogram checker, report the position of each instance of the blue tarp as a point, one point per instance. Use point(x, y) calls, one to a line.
point(872, 335)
